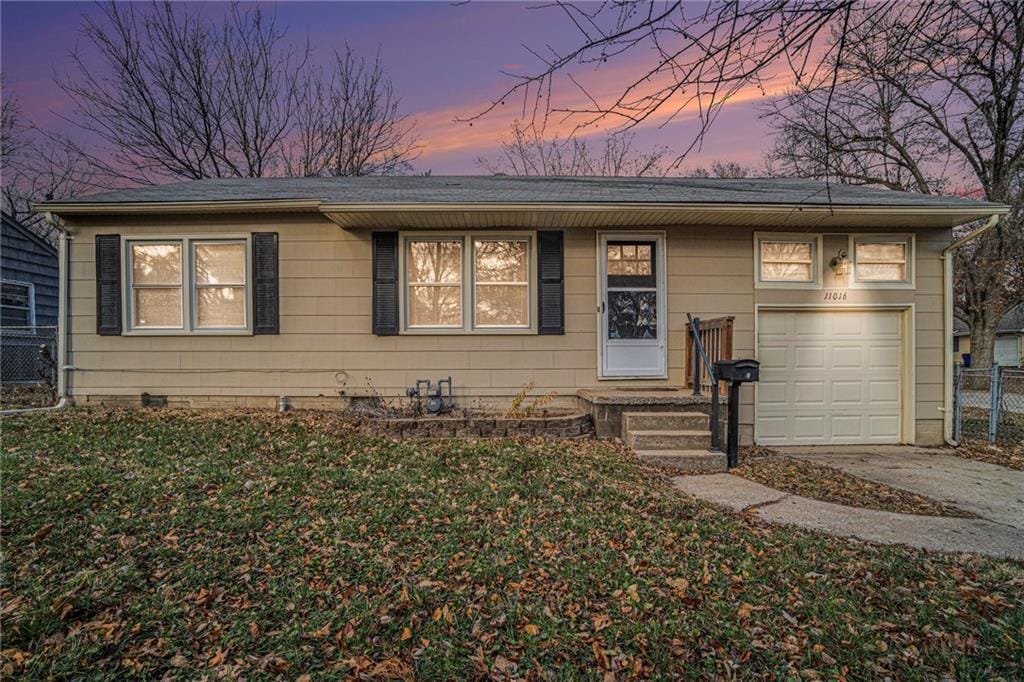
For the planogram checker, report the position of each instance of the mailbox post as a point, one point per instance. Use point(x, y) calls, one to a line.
point(735, 373)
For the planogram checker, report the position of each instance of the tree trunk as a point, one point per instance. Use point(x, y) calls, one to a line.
point(983, 339)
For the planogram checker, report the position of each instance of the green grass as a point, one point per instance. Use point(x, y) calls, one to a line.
point(162, 543)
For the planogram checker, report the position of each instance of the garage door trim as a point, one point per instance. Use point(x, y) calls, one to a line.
point(907, 360)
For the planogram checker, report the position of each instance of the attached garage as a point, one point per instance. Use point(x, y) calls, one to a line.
point(831, 377)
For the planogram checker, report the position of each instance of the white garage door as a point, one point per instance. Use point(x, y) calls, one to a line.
point(1006, 351)
point(829, 377)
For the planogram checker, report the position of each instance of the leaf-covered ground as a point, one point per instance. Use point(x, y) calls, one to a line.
point(1005, 454)
point(17, 396)
point(152, 544)
point(830, 484)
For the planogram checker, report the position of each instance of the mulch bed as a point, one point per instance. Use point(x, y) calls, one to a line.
point(829, 484)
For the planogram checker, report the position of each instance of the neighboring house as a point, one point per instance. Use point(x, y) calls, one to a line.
point(236, 292)
point(28, 300)
point(28, 270)
point(1009, 345)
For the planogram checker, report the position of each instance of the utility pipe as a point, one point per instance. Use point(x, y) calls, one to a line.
point(63, 275)
point(947, 323)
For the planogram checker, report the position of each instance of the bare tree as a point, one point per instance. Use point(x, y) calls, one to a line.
point(11, 126)
point(349, 122)
point(936, 108)
point(176, 96)
point(693, 56)
point(723, 169)
point(528, 151)
point(33, 167)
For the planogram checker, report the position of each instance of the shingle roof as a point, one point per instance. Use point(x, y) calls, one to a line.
point(488, 189)
point(1013, 321)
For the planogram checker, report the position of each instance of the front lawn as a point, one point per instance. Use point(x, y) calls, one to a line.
point(259, 545)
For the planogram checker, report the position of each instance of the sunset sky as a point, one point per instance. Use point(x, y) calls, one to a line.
point(445, 61)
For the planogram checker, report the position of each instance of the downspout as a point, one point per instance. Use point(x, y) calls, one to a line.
point(63, 287)
point(947, 324)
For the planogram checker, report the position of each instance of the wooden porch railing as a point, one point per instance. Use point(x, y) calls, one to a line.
point(716, 337)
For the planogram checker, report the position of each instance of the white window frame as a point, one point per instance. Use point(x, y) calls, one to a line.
point(468, 282)
point(188, 286)
point(815, 240)
point(879, 238)
point(31, 299)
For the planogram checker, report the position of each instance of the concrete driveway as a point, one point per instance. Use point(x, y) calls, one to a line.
point(992, 492)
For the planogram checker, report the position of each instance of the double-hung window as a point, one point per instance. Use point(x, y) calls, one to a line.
point(470, 282)
point(190, 285)
point(17, 304)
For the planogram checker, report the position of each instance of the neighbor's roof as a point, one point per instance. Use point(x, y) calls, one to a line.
point(501, 189)
point(1013, 321)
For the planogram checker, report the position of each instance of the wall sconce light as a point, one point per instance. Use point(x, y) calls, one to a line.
point(840, 264)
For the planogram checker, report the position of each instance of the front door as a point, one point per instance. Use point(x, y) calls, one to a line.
point(632, 305)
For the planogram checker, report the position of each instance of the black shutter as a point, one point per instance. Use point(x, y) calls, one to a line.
point(108, 284)
point(385, 283)
point(266, 287)
point(550, 283)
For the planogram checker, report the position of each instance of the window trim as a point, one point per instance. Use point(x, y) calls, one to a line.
point(468, 282)
point(31, 287)
point(814, 239)
point(188, 316)
point(883, 238)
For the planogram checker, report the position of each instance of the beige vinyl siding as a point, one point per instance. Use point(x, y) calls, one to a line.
point(326, 346)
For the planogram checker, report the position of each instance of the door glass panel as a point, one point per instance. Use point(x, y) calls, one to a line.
point(632, 314)
point(631, 264)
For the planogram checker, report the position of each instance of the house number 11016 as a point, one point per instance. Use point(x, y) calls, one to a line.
point(835, 295)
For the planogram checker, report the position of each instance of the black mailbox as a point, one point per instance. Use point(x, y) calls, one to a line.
point(737, 371)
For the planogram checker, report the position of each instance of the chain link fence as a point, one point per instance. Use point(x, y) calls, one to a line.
point(28, 367)
point(989, 404)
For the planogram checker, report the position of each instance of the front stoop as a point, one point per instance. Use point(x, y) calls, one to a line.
point(675, 440)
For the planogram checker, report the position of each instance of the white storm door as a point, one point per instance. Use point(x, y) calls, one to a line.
point(829, 377)
point(632, 304)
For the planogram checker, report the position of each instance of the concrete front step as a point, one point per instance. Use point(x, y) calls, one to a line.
point(669, 440)
point(685, 460)
point(664, 421)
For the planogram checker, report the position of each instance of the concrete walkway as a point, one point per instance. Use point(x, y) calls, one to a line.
point(992, 492)
point(979, 536)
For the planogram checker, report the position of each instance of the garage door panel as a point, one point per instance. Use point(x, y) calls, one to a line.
point(847, 426)
point(884, 426)
point(809, 357)
point(809, 325)
point(772, 392)
point(847, 357)
point(808, 392)
point(845, 325)
point(881, 391)
point(809, 427)
point(847, 393)
point(773, 356)
point(829, 377)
